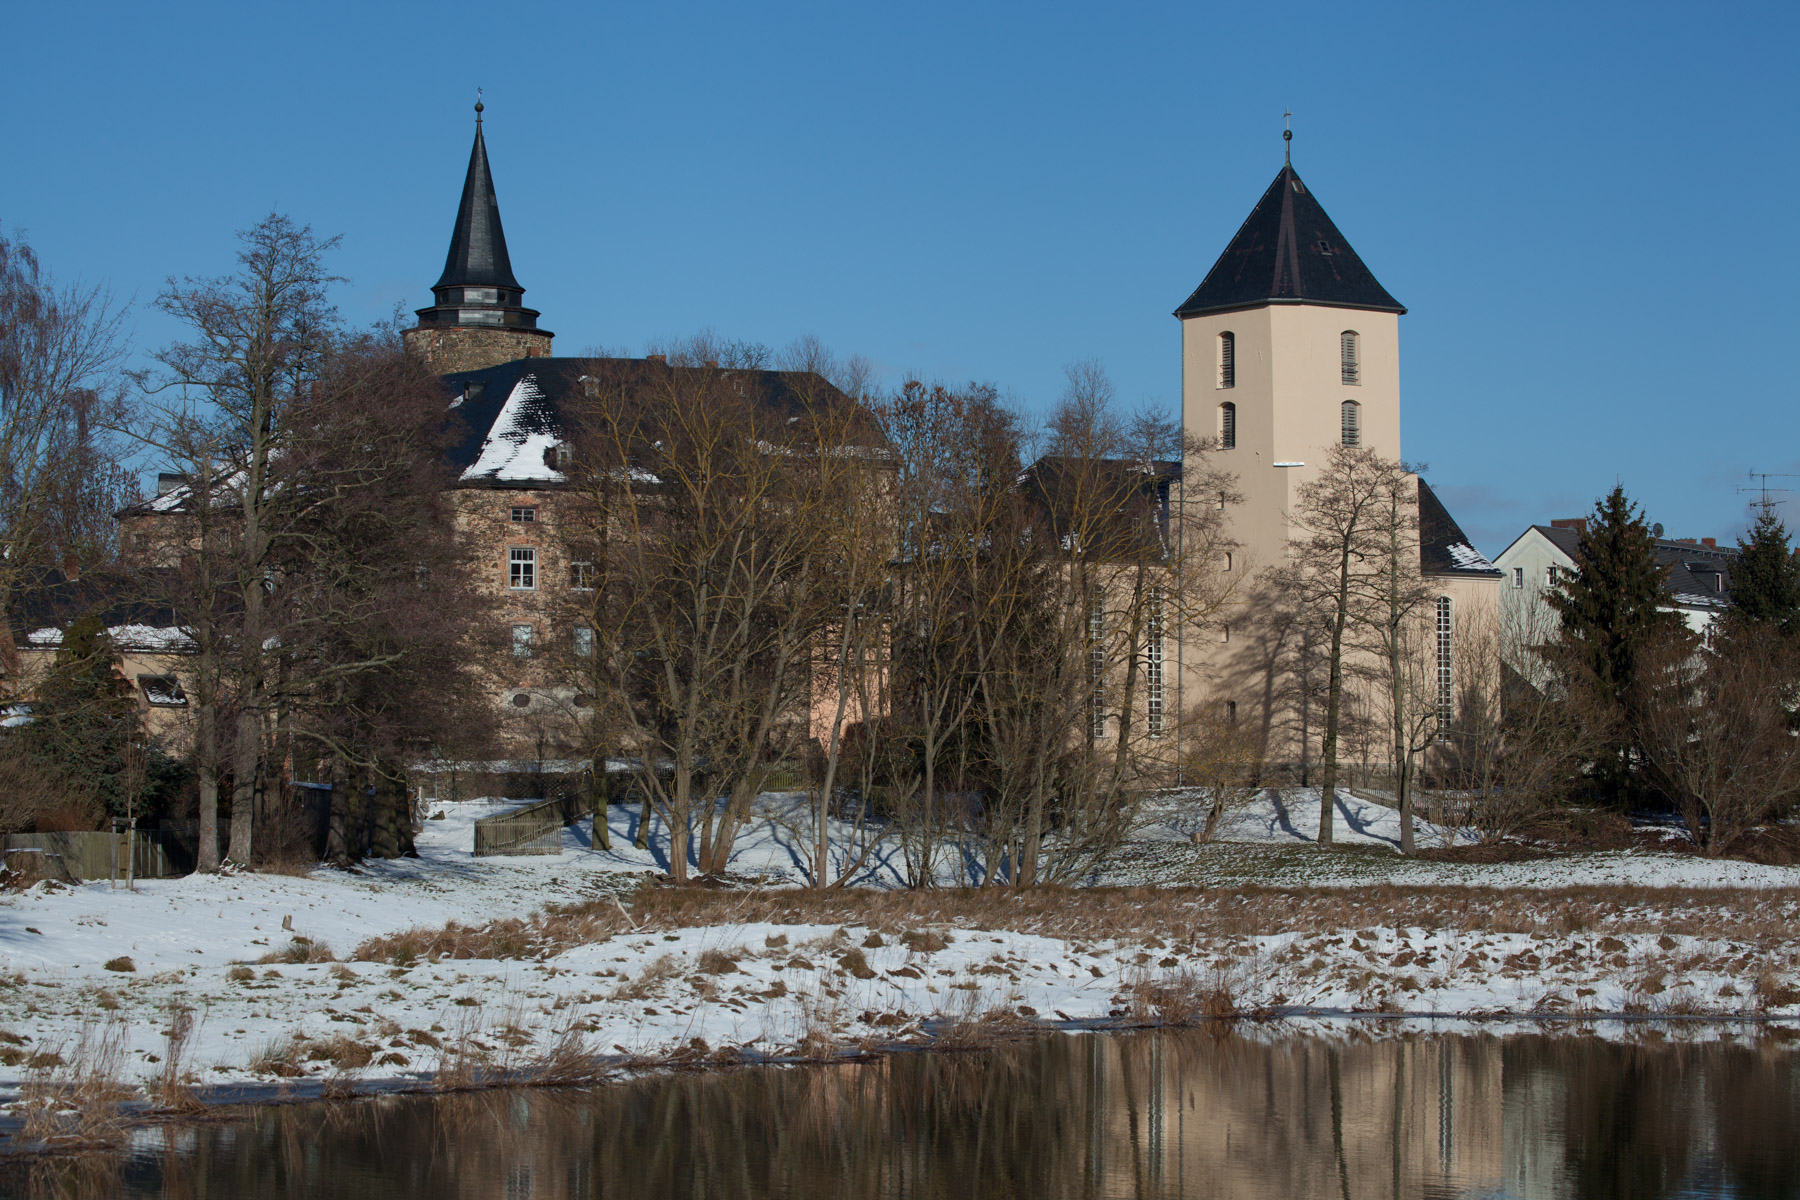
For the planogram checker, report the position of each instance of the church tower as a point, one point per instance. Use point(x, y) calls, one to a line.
point(479, 319)
point(1289, 347)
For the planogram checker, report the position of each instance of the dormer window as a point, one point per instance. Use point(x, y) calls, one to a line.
point(1227, 427)
point(1349, 354)
point(1227, 360)
point(1352, 423)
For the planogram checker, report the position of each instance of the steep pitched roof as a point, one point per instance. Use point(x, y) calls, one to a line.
point(478, 255)
point(516, 413)
point(1288, 252)
point(1444, 549)
point(1126, 501)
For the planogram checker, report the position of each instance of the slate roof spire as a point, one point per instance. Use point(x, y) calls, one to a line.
point(1288, 252)
point(478, 286)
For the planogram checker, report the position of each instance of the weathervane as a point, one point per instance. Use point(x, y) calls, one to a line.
point(1287, 135)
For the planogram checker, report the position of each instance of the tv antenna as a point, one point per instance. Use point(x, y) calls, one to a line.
point(1763, 487)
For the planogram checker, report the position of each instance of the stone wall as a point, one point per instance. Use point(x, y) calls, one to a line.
point(460, 348)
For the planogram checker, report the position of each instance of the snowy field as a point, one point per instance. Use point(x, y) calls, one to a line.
point(757, 989)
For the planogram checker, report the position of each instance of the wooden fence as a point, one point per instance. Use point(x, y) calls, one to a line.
point(534, 829)
point(156, 854)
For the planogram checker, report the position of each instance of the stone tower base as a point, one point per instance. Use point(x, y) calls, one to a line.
point(462, 348)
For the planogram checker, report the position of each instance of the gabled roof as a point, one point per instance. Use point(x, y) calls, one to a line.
point(1698, 575)
point(516, 413)
point(1444, 549)
point(1288, 252)
point(478, 255)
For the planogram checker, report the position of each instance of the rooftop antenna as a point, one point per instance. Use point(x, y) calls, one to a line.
point(478, 106)
point(1765, 503)
point(1287, 135)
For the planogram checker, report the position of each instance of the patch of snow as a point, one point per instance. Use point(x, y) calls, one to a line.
point(1467, 558)
point(518, 445)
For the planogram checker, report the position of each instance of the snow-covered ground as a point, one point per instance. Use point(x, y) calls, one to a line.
point(760, 988)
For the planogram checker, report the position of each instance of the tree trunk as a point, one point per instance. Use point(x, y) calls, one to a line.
point(1334, 694)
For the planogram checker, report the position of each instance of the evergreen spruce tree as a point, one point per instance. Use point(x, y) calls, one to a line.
point(1610, 614)
point(1765, 582)
point(85, 720)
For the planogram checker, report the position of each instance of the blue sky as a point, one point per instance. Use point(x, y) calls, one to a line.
point(1588, 208)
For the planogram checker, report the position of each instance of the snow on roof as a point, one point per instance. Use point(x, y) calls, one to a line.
point(518, 446)
point(1467, 558)
point(125, 637)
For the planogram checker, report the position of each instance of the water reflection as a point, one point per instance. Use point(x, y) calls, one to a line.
point(1148, 1115)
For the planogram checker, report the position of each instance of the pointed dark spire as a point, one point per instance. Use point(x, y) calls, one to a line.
point(1288, 252)
point(478, 286)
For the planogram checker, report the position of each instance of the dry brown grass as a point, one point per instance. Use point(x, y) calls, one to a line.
point(73, 1089)
point(170, 1089)
point(539, 936)
point(1179, 914)
point(300, 950)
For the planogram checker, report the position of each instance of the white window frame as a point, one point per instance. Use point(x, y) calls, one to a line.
point(1518, 577)
point(522, 637)
point(1097, 668)
point(584, 641)
point(521, 572)
point(581, 575)
point(1153, 666)
point(1446, 663)
point(524, 514)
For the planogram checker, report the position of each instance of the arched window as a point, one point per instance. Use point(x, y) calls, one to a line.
point(1446, 649)
point(1227, 427)
point(1227, 360)
point(1352, 423)
point(1352, 361)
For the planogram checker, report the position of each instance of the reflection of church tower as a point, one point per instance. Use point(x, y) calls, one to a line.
point(479, 319)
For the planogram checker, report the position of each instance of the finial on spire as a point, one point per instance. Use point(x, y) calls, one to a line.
point(478, 106)
point(1287, 135)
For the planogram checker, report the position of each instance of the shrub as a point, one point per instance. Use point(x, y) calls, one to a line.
point(121, 963)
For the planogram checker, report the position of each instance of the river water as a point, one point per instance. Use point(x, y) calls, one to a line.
point(1343, 1113)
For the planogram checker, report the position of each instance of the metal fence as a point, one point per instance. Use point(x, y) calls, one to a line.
point(534, 829)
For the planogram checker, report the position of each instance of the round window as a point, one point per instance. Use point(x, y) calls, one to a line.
point(522, 700)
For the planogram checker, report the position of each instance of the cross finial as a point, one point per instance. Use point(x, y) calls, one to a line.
point(1287, 135)
point(478, 106)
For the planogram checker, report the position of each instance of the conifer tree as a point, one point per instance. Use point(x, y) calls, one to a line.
point(1765, 582)
point(1611, 614)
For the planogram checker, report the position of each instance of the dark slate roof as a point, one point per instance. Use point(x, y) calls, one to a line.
point(1288, 252)
point(49, 599)
point(478, 255)
point(1698, 575)
point(512, 411)
point(1054, 484)
point(1444, 549)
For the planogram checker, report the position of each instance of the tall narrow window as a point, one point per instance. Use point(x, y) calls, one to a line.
point(1231, 713)
point(522, 569)
point(1227, 360)
point(584, 642)
point(521, 641)
point(1097, 668)
point(581, 576)
point(1227, 427)
point(1518, 577)
point(1352, 362)
point(1352, 423)
point(1446, 680)
point(1228, 560)
point(1153, 667)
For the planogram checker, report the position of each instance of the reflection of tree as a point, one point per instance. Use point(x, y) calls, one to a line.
point(1153, 1115)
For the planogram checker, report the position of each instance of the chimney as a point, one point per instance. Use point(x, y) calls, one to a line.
point(167, 482)
point(1578, 524)
point(1710, 543)
point(656, 358)
point(712, 364)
